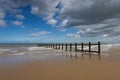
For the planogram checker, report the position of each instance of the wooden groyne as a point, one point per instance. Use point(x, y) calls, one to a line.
point(74, 47)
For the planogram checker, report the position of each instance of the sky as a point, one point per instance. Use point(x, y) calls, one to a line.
point(53, 21)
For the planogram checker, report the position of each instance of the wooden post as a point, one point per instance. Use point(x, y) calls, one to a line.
point(50, 45)
point(70, 46)
point(81, 46)
point(59, 45)
point(53, 46)
point(47, 45)
point(62, 46)
point(89, 46)
point(56, 45)
point(75, 46)
point(89, 49)
point(99, 48)
point(66, 47)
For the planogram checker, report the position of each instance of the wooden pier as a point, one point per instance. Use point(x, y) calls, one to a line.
point(74, 47)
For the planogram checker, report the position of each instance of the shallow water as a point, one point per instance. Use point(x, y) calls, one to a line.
point(10, 54)
point(17, 53)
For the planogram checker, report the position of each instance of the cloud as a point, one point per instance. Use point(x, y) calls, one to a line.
point(63, 23)
point(44, 8)
point(2, 23)
point(19, 16)
point(34, 10)
point(52, 21)
point(17, 23)
point(92, 17)
point(12, 6)
point(63, 30)
point(86, 12)
point(2, 15)
point(72, 35)
point(39, 33)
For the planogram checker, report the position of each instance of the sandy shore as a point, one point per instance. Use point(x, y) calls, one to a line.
point(108, 68)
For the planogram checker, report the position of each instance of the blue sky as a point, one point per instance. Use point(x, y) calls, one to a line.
point(44, 21)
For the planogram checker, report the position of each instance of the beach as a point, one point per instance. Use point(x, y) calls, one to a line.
point(65, 68)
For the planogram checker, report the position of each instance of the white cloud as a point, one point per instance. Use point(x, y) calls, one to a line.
point(105, 35)
point(19, 16)
point(52, 21)
point(43, 7)
point(35, 10)
point(2, 23)
point(63, 30)
point(73, 35)
point(39, 33)
point(17, 23)
point(63, 23)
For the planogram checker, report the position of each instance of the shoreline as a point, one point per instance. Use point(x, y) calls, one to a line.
point(59, 55)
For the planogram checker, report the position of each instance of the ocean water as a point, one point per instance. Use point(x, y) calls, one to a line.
point(17, 53)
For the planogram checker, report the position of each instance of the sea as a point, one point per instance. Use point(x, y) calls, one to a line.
point(19, 53)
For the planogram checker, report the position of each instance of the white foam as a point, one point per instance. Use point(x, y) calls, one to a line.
point(35, 48)
point(106, 47)
point(116, 46)
point(19, 54)
point(4, 50)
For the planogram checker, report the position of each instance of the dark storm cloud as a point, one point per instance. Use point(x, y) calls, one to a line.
point(86, 12)
point(92, 17)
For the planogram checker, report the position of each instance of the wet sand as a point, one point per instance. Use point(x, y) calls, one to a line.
point(108, 68)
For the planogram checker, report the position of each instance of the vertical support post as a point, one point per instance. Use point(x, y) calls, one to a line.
point(50, 45)
point(70, 46)
point(81, 46)
point(75, 46)
point(62, 46)
point(89, 46)
point(37, 45)
point(99, 48)
point(66, 47)
point(89, 49)
point(56, 45)
point(59, 45)
point(53, 45)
